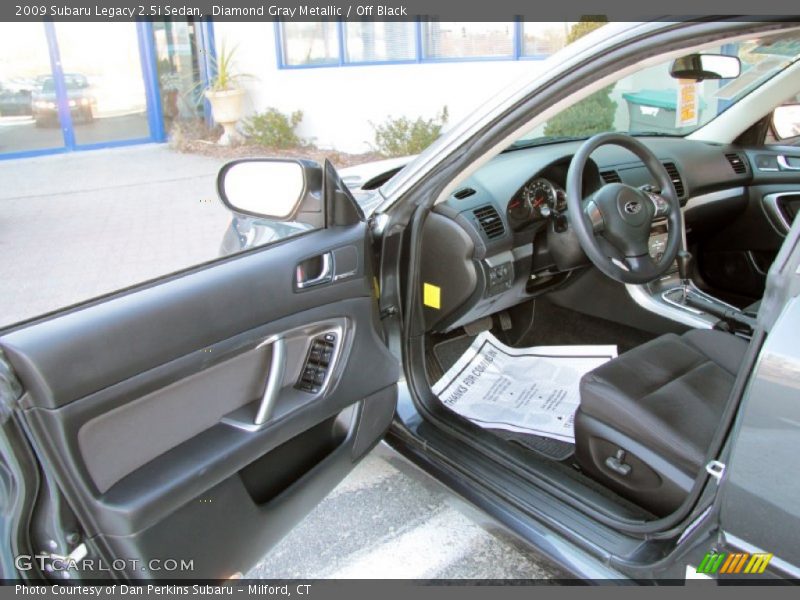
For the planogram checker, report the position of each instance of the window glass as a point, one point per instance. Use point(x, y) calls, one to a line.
point(543, 39)
point(28, 111)
point(82, 224)
point(178, 55)
point(372, 41)
point(650, 101)
point(314, 43)
point(465, 40)
point(105, 90)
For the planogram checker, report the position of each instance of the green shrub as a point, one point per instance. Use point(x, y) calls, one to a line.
point(586, 25)
point(595, 113)
point(402, 136)
point(273, 129)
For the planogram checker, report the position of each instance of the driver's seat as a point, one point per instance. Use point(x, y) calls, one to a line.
point(646, 418)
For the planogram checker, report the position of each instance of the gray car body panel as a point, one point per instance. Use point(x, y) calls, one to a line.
point(759, 494)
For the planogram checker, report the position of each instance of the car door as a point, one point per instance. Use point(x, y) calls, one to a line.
point(735, 256)
point(758, 492)
point(182, 427)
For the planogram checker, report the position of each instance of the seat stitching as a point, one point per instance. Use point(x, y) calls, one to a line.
point(694, 346)
point(659, 386)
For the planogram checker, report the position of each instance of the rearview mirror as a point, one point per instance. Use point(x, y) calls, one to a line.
point(699, 67)
point(263, 187)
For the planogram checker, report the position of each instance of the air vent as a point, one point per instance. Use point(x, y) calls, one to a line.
point(490, 221)
point(677, 182)
point(739, 166)
point(610, 176)
point(464, 193)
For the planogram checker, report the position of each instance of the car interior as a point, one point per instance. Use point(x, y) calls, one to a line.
point(204, 414)
point(676, 289)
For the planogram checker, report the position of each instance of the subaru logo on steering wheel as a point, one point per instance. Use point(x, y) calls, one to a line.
point(632, 207)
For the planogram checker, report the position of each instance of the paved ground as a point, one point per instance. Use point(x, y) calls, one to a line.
point(78, 225)
point(388, 520)
point(75, 226)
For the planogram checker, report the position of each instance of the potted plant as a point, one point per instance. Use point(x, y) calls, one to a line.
point(226, 95)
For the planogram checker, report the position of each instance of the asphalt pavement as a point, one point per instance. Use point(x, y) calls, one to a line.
point(76, 226)
point(389, 520)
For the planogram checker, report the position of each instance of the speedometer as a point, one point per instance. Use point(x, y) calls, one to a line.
point(520, 210)
point(542, 197)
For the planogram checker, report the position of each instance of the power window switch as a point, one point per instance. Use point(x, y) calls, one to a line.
point(308, 375)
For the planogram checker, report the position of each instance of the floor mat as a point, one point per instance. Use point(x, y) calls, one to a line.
point(554, 325)
point(449, 351)
point(532, 391)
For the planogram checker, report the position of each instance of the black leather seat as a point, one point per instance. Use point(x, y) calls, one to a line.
point(646, 418)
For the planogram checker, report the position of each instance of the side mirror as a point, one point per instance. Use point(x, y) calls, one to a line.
point(786, 121)
point(699, 67)
point(263, 187)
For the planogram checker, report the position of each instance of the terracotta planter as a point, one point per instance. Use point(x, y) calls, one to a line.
point(227, 108)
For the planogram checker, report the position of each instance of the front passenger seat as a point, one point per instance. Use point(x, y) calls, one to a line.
point(646, 418)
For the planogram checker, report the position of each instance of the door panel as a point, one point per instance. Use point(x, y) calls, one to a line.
point(736, 257)
point(142, 408)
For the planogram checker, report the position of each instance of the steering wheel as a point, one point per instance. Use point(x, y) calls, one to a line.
point(613, 223)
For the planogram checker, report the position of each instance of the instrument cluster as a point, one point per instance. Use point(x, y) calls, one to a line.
point(537, 200)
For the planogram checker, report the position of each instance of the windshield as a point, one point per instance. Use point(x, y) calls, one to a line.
point(72, 82)
point(651, 102)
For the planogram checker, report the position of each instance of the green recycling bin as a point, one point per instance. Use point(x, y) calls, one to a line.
point(654, 110)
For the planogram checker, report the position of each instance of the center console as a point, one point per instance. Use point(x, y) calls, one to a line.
point(675, 297)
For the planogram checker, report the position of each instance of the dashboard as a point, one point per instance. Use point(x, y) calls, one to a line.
point(503, 237)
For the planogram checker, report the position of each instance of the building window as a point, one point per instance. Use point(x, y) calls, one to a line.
point(467, 40)
point(332, 43)
point(373, 41)
point(543, 39)
point(313, 43)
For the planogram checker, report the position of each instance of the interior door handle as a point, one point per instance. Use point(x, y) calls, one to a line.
point(784, 164)
point(303, 281)
point(277, 366)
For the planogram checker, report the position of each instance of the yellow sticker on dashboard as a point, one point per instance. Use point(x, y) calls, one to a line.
point(432, 295)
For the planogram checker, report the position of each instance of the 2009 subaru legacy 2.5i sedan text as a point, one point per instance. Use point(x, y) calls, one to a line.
point(590, 335)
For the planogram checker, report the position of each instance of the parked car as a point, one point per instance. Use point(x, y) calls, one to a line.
point(15, 99)
point(200, 416)
point(80, 99)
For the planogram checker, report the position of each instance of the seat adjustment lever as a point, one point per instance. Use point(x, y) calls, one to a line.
point(617, 463)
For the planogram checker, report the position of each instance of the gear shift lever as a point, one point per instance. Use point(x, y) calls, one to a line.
point(684, 259)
